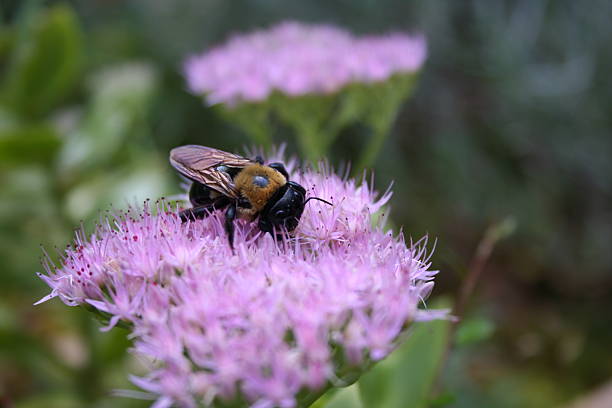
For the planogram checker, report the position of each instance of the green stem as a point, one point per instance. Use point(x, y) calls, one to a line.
point(383, 108)
point(312, 396)
point(372, 148)
point(260, 134)
point(310, 142)
point(87, 378)
point(253, 119)
point(492, 236)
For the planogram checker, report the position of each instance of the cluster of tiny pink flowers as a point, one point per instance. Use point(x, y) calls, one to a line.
point(298, 59)
point(260, 325)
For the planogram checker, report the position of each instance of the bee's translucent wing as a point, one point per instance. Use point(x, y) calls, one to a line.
point(200, 163)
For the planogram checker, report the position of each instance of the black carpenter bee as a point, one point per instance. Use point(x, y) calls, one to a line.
point(245, 188)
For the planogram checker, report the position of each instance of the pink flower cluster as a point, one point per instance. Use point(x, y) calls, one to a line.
point(297, 59)
point(261, 325)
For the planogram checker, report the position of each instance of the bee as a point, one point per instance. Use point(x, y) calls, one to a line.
point(244, 188)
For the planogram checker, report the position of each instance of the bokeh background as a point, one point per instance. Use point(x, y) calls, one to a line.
point(510, 123)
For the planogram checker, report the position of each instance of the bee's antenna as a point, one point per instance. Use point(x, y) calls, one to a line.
point(317, 198)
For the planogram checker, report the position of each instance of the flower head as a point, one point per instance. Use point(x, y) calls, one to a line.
point(262, 325)
point(298, 59)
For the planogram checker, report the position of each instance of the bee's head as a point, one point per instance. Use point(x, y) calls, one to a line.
point(284, 209)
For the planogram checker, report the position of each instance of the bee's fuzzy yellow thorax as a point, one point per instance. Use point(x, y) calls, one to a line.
point(257, 183)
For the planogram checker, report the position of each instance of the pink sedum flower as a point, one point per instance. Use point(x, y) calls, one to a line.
point(298, 59)
point(265, 325)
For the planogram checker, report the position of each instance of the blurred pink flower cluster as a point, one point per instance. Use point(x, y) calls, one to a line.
point(260, 325)
point(297, 59)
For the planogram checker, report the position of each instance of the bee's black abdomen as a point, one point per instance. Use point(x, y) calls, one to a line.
point(200, 195)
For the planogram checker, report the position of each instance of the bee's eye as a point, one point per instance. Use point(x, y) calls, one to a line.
point(280, 214)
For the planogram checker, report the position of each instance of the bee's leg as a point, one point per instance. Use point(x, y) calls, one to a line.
point(281, 236)
point(196, 213)
point(259, 159)
point(230, 216)
point(203, 211)
point(280, 167)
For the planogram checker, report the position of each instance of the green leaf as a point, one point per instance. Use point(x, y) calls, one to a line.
point(473, 330)
point(116, 114)
point(406, 377)
point(144, 178)
point(443, 400)
point(45, 62)
point(345, 398)
point(28, 145)
point(52, 399)
point(6, 42)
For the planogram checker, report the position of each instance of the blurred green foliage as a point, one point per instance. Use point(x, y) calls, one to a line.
point(45, 62)
point(510, 117)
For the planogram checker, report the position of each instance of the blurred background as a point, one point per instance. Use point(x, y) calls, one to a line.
point(510, 121)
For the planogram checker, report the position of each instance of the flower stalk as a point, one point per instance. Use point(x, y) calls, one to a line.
point(315, 80)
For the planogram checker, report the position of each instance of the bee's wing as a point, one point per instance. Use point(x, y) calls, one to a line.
point(199, 163)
